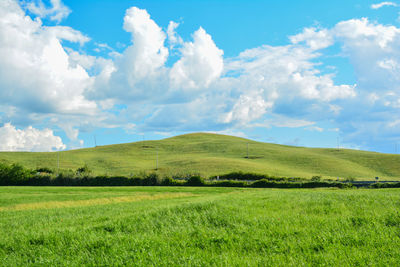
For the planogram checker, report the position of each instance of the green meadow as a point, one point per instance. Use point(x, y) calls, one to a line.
point(181, 226)
point(212, 154)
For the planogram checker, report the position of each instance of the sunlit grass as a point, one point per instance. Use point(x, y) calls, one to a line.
point(201, 226)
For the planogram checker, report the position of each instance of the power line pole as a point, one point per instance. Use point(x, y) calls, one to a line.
point(247, 150)
point(58, 162)
point(157, 161)
point(338, 146)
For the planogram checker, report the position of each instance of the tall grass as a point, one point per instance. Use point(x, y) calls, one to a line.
point(202, 227)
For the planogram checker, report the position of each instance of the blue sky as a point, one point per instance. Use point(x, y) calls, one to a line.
point(307, 73)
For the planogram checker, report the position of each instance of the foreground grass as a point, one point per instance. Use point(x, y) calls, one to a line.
point(211, 154)
point(198, 226)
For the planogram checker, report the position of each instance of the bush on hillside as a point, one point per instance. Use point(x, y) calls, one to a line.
point(13, 174)
point(229, 183)
point(268, 184)
point(168, 181)
point(44, 170)
point(195, 181)
point(316, 178)
point(83, 171)
point(385, 185)
point(151, 179)
point(247, 176)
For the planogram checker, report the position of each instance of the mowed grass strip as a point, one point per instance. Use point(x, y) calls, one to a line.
point(92, 202)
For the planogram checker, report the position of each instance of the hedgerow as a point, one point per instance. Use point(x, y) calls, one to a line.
point(16, 174)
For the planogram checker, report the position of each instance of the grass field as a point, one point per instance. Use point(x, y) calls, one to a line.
point(161, 226)
point(211, 154)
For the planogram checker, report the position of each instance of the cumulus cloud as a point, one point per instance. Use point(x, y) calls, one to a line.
point(34, 71)
point(173, 38)
point(382, 4)
point(374, 54)
point(247, 108)
point(285, 78)
point(29, 139)
point(239, 90)
point(138, 72)
point(199, 90)
point(201, 62)
point(57, 12)
point(66, 33)
point(148, 52)
point(313, 38)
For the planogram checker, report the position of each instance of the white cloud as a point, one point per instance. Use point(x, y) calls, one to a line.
point(382, 4)
point(314, 39)
point(247, 108)
point(363, 34)
point(201, 91)
point(29, 139)
point(286, 78)
point(201, 62)
point(35, 72)
point(57, 12)
point(66, 33)
point(138, 72)
point(282, 121)
point(148, 53)
point(315, 128)
point(173, 38)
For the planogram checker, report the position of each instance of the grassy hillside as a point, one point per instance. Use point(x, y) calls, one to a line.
point(212, 154)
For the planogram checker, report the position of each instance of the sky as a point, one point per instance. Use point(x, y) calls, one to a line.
point(307, 73)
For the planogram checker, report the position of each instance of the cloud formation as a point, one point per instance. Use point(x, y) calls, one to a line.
point(200, 64)
point(29, 139)
point(57, 12)
point(35, 72)
point(382, 4)
point(42, 77)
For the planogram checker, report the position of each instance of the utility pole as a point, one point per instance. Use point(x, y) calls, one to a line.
point(58, 162)
point(157, 160)
point(247, 150)
point(95, 143)
point(338, 147)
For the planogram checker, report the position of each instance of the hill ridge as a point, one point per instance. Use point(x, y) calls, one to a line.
point(215, 154)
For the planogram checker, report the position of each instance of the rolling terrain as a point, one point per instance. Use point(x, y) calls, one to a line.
point(212, 154)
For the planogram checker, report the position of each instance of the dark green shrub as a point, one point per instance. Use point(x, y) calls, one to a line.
point(385, 185)
point(44, 170)
point(13, 174)
point(195, 181)
point(255, 177)
point(83, 171)
point(168, 181)
point(241, 176)
point(316, 178)
point(350, 179)
point(151, 179)
point(229, 184)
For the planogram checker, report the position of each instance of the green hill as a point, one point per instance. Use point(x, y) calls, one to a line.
point(212, 154)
